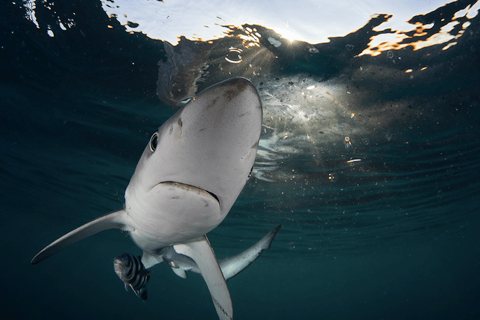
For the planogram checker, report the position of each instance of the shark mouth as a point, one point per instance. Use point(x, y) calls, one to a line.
point(189, 187)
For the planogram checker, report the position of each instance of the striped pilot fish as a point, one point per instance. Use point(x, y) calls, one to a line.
point(132, 272)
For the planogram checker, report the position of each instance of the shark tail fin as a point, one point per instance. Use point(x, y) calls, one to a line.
point(114, 220)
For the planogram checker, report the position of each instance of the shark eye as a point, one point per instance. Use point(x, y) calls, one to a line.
point(153, 142)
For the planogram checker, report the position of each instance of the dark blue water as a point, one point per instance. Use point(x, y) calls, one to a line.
point(382, 225)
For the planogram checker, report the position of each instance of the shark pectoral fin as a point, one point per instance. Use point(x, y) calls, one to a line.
point(114, 220)
point(233, 265)
point(180, 272)
point(202, 253)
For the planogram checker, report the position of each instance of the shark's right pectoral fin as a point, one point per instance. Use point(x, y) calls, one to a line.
point(114, 220)
point(202, 253)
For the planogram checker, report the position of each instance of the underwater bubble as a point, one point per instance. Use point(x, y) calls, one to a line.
point(234, 55)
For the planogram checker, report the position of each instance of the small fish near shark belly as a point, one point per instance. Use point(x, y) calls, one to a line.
point(132, 272)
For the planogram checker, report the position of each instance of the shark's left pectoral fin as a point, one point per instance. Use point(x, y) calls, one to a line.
point(114, 220)
point(202, 253)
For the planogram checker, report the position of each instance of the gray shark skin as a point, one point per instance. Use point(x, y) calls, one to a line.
point(187, 179)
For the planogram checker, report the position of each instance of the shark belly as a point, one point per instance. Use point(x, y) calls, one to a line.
point(181, 213)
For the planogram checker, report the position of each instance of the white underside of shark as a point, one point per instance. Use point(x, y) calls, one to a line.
point(186, 181)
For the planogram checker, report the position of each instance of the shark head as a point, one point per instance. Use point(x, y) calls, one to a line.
point(197, 162)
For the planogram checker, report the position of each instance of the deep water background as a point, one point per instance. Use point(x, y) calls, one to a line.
point(396, 237)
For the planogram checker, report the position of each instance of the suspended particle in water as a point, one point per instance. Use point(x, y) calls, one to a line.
point(349, 47)
point(331, 177)
point(348, 143)
point(352, 161)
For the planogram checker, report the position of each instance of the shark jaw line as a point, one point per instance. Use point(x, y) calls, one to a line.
point(188, 187)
